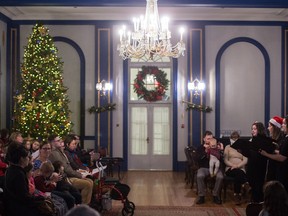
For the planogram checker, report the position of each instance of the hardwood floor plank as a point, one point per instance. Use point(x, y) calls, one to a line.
point(166, 188)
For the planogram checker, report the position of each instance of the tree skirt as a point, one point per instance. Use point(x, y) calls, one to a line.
point(178, 211)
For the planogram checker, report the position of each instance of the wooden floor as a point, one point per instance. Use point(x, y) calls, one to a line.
point(165, 188)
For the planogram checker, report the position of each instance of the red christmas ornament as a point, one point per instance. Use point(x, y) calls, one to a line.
point(40, 90)
point(37, 126)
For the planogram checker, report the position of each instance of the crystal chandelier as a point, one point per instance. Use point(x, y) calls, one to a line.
point(150, 37)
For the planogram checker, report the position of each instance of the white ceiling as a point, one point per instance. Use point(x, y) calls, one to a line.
point(127, 13)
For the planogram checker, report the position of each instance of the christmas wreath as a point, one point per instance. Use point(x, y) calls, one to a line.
point(161, 84)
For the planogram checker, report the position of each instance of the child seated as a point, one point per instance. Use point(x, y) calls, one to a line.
point(64, 184)
point(214, 153)
point(31, 184)
point(35, 150)
point(47, 181)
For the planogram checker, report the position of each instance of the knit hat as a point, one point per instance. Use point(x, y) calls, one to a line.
point(277, 121)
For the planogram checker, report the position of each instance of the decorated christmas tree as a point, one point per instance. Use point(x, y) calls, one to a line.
point(41, 101)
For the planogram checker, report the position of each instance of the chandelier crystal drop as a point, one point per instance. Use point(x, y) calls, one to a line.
point(150, 37)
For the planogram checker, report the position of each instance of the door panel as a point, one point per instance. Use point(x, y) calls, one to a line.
point(150, 138)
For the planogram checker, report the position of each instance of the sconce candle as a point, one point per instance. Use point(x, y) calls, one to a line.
point(196, 86)
point(103, 86)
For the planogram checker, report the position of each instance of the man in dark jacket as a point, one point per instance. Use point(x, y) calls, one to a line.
point(203, 172)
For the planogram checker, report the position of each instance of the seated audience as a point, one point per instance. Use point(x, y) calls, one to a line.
point(78, 180)
point(18, 200)
point(203, 172)
point(235, 167)
point(82, 210)
point(64, 184)
point(70, 151)
point(3, 168)
point(31, 182)
point(44, 153)
point(47, 181)
point(16, 137)
point(86, 157)
point(27, 143)
point(4, 136)
point(214, 151)
point(275, 200)
point(35, 150)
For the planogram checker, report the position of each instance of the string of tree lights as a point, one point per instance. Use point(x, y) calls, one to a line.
point(41, 100)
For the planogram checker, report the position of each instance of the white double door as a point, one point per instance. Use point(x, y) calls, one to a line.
point(150, 137)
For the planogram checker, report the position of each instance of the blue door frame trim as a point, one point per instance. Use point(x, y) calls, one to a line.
point(267, 78)
point(175, 116)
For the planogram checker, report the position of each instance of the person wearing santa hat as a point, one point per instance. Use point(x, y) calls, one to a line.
point(274, 128)
point(280, 156)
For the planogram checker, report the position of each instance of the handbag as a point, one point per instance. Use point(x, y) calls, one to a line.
point(46, 207)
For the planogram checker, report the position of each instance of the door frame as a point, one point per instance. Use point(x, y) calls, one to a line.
point(176, 166)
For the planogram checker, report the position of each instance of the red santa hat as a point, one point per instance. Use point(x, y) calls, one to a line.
point(277, 121)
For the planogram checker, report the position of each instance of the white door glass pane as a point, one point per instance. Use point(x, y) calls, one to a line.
point(161, 131)
point(149, 83)
point(139, 131)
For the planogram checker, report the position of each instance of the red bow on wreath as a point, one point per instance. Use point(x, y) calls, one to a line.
point(161, 83)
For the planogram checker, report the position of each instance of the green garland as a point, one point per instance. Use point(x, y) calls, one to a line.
point(108, 107)
point(162, 84)
point(201, 108)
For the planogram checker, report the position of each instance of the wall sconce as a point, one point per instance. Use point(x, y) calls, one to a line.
point(103, 86)
point(196, 86)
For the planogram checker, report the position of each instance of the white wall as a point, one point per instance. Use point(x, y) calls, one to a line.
point(117, 114)
point(242, 75)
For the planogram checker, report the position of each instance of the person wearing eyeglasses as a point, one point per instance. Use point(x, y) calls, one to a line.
point(79, 181)
point(44, 153)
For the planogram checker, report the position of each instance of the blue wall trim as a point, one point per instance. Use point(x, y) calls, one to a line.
point(218, 84)
point(175, 116)
point(13, 66)
point(128, 3)
point(102, 62)
point(82, 80)
point(125, 114)
point(4, 18)
point(284, 52)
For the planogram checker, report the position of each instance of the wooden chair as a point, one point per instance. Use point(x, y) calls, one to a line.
point(227, 181)
point(253, 209)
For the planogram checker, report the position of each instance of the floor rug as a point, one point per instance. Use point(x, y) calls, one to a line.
point(178, 211)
